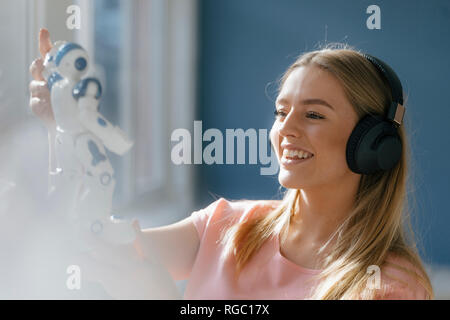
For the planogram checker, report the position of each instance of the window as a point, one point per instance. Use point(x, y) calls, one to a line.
point(144, 56)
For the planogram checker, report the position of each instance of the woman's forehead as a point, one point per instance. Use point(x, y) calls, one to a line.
point(312, 82)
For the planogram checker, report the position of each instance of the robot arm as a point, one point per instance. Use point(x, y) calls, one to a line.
point(87, 92)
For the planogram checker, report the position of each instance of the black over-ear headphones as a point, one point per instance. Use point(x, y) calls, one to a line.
point(374, 144)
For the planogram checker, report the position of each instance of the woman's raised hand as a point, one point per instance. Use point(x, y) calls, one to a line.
point(40, 103)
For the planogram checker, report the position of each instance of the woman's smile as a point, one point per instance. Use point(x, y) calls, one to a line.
point(288, 161)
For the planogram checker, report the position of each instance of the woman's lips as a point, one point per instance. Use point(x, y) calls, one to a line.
point(288, 162)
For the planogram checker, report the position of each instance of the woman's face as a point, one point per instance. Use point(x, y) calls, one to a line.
point(314, 116)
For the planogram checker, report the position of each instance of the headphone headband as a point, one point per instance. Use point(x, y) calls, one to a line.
point(396, 110)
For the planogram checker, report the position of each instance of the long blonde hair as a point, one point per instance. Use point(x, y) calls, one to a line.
point(379, 221)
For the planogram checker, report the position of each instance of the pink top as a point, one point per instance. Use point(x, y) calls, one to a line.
point(268, 275)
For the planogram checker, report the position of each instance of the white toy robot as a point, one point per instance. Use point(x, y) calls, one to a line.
point(83, 174)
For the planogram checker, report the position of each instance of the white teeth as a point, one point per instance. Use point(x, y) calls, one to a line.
point(296, 153)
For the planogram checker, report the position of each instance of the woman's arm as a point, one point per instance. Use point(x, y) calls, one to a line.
point(175, 245)
point(124, 271)
point(147, 269)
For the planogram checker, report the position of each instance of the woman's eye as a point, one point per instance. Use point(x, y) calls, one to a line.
point(314, 115)
point(311, 115)
point(279, 113)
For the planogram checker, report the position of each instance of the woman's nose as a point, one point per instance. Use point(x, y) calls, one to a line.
point(290, 126)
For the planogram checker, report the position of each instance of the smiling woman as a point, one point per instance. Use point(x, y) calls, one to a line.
point(342, 214)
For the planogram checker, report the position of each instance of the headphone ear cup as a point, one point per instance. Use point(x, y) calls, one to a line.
point(389, 150)
point(359, 158)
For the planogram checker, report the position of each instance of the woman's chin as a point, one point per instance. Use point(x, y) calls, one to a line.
point(290, 182)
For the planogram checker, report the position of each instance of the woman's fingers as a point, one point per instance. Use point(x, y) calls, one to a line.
point(36, 68)
point(41, 108)
point(45, 43)
point(38, 106)
point(39, 89)
point(40, 95)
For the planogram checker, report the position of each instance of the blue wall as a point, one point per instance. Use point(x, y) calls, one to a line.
point(246, 45)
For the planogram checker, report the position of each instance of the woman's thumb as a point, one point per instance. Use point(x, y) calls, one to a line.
point(45, 43)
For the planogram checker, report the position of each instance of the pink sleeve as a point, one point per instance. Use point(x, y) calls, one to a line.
point(201, 218)
point(398, 284)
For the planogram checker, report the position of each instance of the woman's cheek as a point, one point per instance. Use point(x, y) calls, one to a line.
point(328, 146)
point(336, 152)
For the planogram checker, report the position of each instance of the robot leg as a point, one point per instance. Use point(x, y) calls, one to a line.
point(95, 201)
point(68, 177)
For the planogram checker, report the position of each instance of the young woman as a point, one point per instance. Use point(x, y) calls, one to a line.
point(336, 234)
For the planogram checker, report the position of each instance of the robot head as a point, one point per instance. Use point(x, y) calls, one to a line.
point(71, 61)
point(49, 61)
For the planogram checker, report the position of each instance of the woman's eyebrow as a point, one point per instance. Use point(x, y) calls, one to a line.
point(307, 102)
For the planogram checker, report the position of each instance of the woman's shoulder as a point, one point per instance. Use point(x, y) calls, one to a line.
point(401, 280)
point(246, 203)
point(247, 208)
point(224, 211)
point(241, 208)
